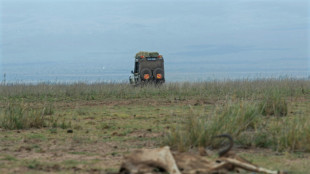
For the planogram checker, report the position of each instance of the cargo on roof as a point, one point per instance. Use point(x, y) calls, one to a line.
point(147, 54)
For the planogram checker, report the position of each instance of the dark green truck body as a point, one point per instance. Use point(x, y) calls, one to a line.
point(148, 68)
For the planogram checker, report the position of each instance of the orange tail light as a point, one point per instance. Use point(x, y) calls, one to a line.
point(146, 76)
point(159, 76)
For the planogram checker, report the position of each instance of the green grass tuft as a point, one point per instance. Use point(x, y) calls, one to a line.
point(244, 121)
point(274, 104)
point(22, 116)
point(19, 116)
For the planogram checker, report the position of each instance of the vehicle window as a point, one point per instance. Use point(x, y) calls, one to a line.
point(136, 67)
point(151, 58)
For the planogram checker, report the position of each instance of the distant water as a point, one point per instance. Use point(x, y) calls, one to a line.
point(89, 73)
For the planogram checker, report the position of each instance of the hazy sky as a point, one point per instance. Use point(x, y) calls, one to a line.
point(206, 35)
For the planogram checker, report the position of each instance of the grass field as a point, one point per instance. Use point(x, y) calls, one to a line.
point(87, 128)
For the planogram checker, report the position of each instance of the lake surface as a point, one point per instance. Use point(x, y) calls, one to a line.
point(57, 72)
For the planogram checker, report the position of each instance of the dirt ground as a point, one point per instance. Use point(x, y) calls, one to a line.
point(101, 132)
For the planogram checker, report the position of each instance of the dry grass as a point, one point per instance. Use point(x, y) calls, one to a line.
point(245, 89)
point(109, 120)
point(245, 122)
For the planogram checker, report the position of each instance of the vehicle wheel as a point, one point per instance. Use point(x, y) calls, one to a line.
point(146, 74)
point(158, 73)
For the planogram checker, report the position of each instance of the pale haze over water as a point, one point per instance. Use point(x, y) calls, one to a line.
point(92, 40)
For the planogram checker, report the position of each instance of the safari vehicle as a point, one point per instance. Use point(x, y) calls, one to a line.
point(148, 68)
